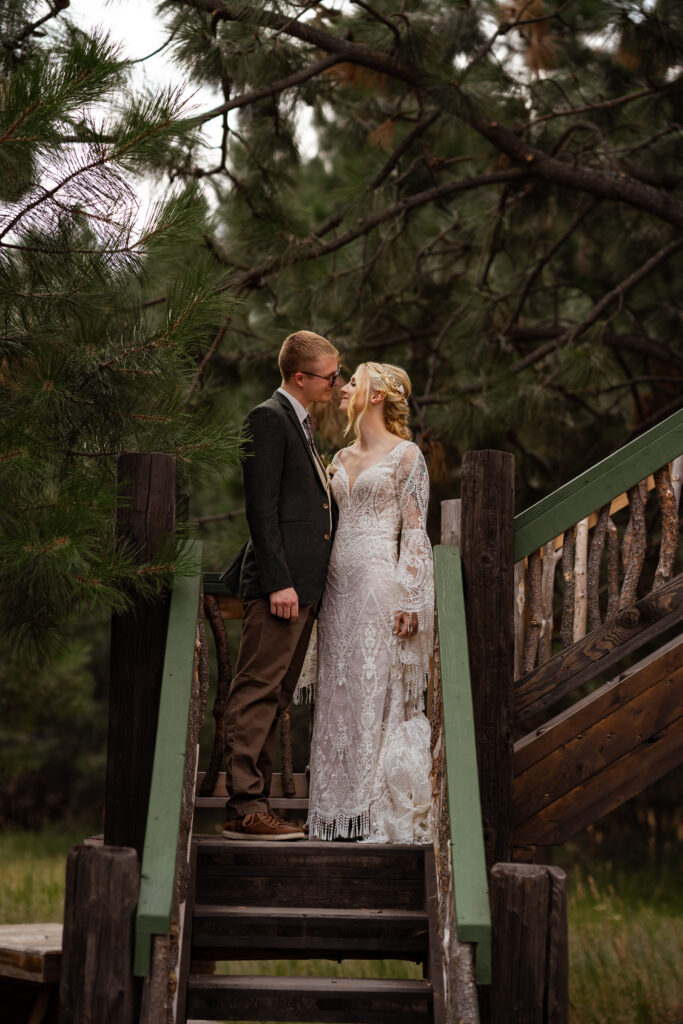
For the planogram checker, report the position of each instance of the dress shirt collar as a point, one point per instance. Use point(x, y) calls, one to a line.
point(299, 409)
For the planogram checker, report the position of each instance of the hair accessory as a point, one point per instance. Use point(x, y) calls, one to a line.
point(393, 383)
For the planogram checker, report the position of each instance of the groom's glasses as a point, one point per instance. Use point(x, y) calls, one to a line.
point(331, 379)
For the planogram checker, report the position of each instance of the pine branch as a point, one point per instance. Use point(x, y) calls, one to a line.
point(405, 144)
point(618, 101)
point(616, 294)
point(55, 10)
point(616, 188)
point(506, 26)
point(544, 260)
point(269, 90)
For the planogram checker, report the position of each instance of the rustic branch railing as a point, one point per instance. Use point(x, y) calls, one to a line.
point(580, 497)
point(572, 769)
point(472, 914)
point(168, 793)
point(574, 525)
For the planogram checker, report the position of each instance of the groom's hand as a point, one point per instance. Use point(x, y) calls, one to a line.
point(285, 603)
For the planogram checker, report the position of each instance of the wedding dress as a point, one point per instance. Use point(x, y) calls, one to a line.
point(370, 759)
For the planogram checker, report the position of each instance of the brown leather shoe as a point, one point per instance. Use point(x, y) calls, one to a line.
point(261, 825)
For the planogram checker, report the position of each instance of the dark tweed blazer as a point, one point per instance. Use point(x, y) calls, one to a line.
point(290, 512)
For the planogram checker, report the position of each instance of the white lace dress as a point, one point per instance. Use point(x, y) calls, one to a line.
point(370, 758)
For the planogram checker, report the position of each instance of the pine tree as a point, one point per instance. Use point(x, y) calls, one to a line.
point(90, 365)
point(494, 204)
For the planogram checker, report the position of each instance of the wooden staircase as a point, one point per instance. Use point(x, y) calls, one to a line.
point(311, 900)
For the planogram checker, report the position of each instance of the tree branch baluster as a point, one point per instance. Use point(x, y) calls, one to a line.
point(594, 561)
point(567, 628)
point(633, 553)
point(669, 543)
point(224, 680)
point(533, 632)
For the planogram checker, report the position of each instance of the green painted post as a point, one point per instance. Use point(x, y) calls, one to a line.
point(166, 792)
point(472, 913)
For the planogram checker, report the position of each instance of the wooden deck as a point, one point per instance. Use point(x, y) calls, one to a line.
point(31, 952)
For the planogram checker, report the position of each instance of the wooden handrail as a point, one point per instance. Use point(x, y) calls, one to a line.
point(163, 818)
point(472, 912)
point(591, 490)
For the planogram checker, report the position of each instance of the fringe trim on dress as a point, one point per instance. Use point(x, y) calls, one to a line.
point(341, 827)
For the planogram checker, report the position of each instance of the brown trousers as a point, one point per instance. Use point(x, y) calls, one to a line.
point(269, 662)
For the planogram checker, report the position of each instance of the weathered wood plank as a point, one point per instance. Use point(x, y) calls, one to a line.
point(488, 496)
point(530, 945)
point(32, 952)
point(245, 933)
point(599, 651)
point(540, 743)
point(97, 982)
point(598, 485)
point(607, 789)
point(364, 1000)
point(435, 967)
point(607, 725)
point(138, 639)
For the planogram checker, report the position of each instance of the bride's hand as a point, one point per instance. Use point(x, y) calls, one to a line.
point(405, 623)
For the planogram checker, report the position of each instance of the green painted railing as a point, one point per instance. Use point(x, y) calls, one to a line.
point(472, 912)
point(166, 791)
point(586, 493)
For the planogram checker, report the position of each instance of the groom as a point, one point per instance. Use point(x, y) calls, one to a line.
point(280, 575)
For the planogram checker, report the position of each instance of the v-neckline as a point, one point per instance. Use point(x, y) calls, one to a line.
point(351, 487)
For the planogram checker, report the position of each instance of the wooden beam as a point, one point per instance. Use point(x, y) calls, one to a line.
point(599, 651)
point(488, 496)
point(598, 485)
point(97, 981)
point(138, 640)
point(530, 945)
point(620, 717)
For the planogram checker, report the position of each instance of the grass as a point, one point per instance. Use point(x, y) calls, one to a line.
point(626, 946)
point(32, 872)
point(625, 924)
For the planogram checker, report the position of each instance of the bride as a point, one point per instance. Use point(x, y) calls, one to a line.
point(370, 758)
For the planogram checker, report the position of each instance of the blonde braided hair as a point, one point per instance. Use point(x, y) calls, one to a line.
point(393, 384)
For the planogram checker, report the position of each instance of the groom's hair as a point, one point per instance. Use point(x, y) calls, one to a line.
point(301, 349)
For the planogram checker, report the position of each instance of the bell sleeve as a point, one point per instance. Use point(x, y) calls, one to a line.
point(414, 576)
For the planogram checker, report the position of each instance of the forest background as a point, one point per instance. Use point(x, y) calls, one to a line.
point(486, 194)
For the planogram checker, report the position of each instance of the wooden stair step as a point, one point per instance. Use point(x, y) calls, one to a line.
point(243, 933)
point(278, 800)
point(276, 998)
point(309, 874)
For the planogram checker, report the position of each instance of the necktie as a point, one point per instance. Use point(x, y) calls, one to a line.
point(308, 430)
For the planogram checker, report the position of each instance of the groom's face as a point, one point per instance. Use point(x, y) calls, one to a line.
point(314, 381)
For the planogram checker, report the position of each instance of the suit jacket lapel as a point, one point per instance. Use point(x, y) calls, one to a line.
point(291, 412)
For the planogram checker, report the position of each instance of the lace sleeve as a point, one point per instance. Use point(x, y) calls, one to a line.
point(415, 572)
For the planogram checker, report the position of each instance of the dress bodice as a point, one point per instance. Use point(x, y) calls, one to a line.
point(372, 504)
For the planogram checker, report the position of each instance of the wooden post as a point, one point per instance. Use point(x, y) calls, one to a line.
point(138, 641)
point(451, 521)
point(97, 981)
point(530, 945)
point(488, 497)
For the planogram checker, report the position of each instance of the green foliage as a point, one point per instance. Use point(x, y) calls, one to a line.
point(91, 362)
point(397, 240)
